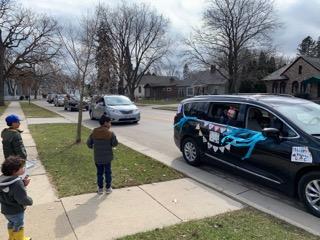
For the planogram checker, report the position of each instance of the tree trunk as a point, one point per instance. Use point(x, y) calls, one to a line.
point(79, 125)
point(2, 71)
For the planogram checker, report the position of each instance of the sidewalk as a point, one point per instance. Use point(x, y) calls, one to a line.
point(126, 211)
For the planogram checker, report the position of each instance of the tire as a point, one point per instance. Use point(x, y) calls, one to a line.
point(191, 152)
point(309, 190)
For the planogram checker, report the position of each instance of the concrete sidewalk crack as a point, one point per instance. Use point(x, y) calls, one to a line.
point(161, 204)
point(73, 230)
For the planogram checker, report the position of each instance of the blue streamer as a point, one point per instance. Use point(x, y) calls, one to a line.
point(242, 138)
point(183, 120)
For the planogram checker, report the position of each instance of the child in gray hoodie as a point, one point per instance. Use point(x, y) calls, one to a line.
point(13, 195)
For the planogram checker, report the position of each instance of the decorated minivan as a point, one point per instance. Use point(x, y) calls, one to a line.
point(274, 139)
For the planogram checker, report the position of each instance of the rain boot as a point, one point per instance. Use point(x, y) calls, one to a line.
point(10, 232)
point(20, 235)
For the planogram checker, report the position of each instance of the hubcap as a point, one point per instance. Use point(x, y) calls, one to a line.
point(313, 194)
point(190, 151)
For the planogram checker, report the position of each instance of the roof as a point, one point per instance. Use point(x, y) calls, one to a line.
point(276, 75)
point(266, 99)
point(206, 78)
point(279, 74)
point(159, 81)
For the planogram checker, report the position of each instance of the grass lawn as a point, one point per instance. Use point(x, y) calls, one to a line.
point(169, 108)
point(3, 108)
point(158, 101)
point(71, 166)
point(33, 111)
point(244, 224)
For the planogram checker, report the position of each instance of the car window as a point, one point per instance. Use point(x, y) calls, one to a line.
point(257, 119)
point(117, 100)
point(197, 109)
point(225, 113)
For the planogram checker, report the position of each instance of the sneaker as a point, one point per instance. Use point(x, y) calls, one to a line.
point(100, 191)
point(109, 190)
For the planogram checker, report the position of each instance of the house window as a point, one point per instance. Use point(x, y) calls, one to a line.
point(283, 87)
point(190, 91)
point(300, 69)
point(275, 87)
point(139, 89)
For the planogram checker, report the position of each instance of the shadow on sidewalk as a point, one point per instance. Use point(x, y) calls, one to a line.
point(82, 213)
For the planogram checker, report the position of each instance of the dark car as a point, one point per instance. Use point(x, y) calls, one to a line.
point(72, 103)
point(273, 139)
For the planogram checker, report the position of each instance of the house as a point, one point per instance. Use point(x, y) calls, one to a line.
point(211, 81)
point(157, 87)
point(300, 78)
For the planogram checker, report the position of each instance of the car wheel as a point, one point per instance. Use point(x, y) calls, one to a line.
point(191, 152)
point(309, 192)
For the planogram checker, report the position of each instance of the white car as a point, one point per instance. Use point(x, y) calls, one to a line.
point(119, 108)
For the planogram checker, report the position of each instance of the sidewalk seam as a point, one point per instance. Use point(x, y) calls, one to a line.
point(65, 211)
point(161, 204)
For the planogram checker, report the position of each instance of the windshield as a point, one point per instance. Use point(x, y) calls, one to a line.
point(117, 100)
point(306, 115)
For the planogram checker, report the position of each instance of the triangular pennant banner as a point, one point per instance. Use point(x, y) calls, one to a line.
point(200, 133)
point(222, 129)
point(221, 149)
point(216, 128)
point(198, 126)
point(206, 123)
point(204, 139)
point(215, 148)
point(211, 126)
point(209, 145)
point(228, 147)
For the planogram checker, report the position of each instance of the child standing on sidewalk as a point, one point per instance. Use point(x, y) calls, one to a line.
point(11, 138)
point(102, 140)
point(13, 196)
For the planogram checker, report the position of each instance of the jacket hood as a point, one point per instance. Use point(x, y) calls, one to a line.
point(6, 181)
point(101, 133)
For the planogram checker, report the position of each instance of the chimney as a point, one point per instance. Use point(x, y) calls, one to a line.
point(212, 68)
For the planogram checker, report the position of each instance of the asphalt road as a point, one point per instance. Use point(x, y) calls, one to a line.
point(155, 131)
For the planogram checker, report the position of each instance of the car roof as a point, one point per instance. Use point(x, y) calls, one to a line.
point(266, 99)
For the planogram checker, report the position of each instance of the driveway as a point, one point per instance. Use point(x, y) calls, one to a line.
point(153, 136)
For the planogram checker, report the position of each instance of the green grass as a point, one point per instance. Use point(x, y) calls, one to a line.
point(168, 108)
point(244, 224)
point(158, 101)
point(33, 111)
point(3, 108)
point(71, 166)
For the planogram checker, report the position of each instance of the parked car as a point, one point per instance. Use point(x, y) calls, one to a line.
point(72, 103)
point(50, 97)
point(273, 139)
point(119, 108)
point(58, 100)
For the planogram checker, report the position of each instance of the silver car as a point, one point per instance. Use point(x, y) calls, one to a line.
point(119, 108)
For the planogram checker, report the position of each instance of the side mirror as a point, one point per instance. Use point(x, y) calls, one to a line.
point(271, 132)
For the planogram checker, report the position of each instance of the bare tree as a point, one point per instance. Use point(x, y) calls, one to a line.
point(25, 39)
point(230, 28)
point(79, 44)
point(139, 38)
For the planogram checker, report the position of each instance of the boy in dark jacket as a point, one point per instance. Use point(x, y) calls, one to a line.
point(13, 196)
point(11, 138)
point(102, 140)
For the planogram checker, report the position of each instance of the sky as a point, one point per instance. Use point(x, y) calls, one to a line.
point(299, 18)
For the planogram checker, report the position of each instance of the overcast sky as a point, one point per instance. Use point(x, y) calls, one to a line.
point(300, 18)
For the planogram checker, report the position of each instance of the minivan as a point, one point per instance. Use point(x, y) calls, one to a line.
point(274, 139)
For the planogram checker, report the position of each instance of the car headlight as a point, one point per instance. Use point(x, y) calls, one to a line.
point(112, 110)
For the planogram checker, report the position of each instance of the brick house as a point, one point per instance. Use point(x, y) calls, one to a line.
point(157, 87)
point(300, 78)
